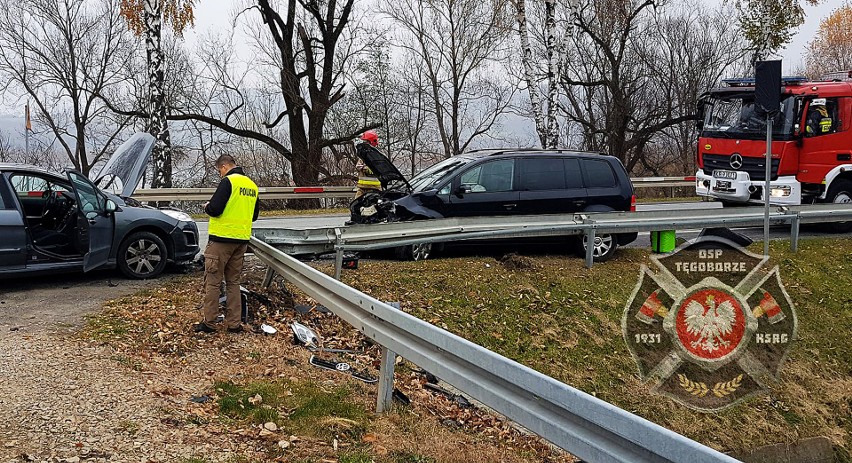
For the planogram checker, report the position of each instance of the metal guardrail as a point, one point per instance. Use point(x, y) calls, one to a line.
point(268, 192)
point(389, 235)
point(323, 192)
point(579, 423)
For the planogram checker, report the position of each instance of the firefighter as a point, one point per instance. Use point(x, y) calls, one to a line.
point(367, 180)
point(818, 122)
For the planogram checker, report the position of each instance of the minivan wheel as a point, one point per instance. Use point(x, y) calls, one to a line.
point(840, 192)
point(142, 255)
point(604, 247)
point(414, 252)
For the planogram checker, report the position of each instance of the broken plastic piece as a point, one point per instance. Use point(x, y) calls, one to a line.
point(266, 329)
point(304, 335)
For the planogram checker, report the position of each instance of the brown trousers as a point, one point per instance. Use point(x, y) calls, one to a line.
point(223, 261)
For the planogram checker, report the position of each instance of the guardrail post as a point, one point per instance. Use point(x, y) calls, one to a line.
point(338, 254)
point(267, 279)
point(794, 233)
point(590, 247)
point(385, 400)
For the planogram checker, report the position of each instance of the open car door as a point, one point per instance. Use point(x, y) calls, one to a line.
point(95, 226)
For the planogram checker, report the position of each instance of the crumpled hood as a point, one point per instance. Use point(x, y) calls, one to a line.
point(125, 168)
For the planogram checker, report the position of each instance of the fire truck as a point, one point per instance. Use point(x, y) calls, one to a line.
point(811, 143)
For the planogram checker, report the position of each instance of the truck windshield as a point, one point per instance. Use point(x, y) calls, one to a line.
point(734, 116)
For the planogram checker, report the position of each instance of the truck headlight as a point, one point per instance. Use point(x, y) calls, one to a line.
point(781, 191)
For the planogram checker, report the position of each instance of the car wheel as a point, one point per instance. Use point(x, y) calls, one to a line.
point(604, 247)
point(840, 192)
point(142, 255)
point(414, 252)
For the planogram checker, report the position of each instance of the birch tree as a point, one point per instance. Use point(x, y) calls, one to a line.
point(146, 18)
point(544, 110)
point(61, 56)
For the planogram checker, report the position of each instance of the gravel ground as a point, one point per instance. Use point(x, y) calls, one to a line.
point(63, 399)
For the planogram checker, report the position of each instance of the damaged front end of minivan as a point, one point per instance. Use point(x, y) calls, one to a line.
point(394, 202)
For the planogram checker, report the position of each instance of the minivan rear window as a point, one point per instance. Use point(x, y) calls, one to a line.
point(599, 174)
point(542, 174)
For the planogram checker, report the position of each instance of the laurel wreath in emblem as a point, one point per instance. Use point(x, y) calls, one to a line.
point(696, 388)
point(699, 389)
point(727, 388)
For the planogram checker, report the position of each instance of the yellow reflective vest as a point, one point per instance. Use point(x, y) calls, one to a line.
point(368, 181)
point(235, 221)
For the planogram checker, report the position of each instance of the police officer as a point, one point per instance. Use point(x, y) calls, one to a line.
point(232, 209)
point(367, 180)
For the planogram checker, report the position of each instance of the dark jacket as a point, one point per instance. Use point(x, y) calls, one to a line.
point(219, 200)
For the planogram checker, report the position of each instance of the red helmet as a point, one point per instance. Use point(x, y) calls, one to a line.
point(371, 137)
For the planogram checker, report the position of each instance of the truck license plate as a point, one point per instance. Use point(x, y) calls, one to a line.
point(731, 174)
point(722, 185)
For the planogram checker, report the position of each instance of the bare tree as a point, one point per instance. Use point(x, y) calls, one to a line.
point(60, 55)
point(695, 46)
point(459, 44)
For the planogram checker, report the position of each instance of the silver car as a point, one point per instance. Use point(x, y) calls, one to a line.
point(55, 223)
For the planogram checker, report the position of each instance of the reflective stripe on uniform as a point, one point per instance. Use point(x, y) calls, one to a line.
point(367, 180)
point(235, 221)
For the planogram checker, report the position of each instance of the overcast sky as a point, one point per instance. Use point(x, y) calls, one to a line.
point(212, 15)
point(215, 15)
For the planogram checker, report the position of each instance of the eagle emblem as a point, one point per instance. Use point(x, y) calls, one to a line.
point(710, 322)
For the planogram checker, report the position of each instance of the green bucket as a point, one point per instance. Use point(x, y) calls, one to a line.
point(663, 241)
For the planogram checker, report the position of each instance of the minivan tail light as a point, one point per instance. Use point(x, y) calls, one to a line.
point(633, 203)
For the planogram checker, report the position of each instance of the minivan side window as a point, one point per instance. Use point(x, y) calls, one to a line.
point(542, 174)
point(490, 176)
point(573, 175)
point(599, 174)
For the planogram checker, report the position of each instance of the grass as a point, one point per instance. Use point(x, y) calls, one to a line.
point(565, 321)
point(301, 408)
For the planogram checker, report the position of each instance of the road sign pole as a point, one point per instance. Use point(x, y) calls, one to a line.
point(766, 189)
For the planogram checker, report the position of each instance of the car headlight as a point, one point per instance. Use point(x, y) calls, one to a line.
point(177, 215)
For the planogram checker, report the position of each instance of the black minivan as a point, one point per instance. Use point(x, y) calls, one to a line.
point(499, 182)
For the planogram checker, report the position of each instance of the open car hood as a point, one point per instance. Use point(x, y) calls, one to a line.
point(386, 172)
point(124, 170)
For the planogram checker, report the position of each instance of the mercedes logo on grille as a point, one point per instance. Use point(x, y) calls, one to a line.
point(736, 160)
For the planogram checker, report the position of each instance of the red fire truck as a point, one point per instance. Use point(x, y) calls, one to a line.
point(811, 147)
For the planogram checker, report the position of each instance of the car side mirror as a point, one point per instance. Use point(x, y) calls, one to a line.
point(110, 206)
point(463, 189)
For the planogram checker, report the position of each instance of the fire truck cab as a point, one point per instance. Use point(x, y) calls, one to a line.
point(811, 143)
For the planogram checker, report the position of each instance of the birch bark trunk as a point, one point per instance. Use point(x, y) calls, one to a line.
point(529, 72)
point(162, 154)
point(552, 138)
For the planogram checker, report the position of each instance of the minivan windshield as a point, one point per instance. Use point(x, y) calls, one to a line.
point(431, 176)
point(734, 116)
